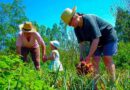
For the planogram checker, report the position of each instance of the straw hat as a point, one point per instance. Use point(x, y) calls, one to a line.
point(55, 43)
point(27, 27)
point(68, 14)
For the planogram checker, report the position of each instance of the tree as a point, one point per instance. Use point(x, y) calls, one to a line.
point(123, 25)
point(56, 32)
point(42, 30)
point(11, 15)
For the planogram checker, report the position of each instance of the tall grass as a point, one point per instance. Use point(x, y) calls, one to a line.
point(16, 75)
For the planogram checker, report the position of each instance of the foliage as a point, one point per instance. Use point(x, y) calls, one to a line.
point(11, 15)
point(123, 25)
point(122, 59)
point(15, 74)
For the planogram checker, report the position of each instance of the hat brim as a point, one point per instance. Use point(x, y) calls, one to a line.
point(74, 10)
point(21, 28)
point(52, 43)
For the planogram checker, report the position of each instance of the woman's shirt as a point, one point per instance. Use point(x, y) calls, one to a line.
point(34, 42)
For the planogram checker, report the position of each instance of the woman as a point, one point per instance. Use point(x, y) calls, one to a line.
point(28, 41)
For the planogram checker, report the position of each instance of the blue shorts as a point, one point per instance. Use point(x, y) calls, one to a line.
point(107, 50)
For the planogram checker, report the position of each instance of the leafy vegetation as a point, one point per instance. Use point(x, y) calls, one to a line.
point(123, 24)
point(16, 75)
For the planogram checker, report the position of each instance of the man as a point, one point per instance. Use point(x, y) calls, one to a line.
point(100, 34)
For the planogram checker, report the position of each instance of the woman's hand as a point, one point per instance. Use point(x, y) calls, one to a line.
point(44, 58)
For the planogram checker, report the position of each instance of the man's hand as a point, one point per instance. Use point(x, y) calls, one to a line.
point(87, 59)
point(84, 68)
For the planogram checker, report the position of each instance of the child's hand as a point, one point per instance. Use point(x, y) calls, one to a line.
point(44, 58)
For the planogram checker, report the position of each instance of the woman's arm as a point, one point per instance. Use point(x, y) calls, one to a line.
point(41, 43)
point(18, 50)
point(43, 46)
point(19, 44)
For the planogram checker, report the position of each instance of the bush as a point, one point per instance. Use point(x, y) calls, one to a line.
point(122, 59)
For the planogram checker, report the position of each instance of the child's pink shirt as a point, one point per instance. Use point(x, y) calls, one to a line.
point(34, 42)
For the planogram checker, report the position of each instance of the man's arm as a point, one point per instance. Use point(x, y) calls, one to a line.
point(93, 48)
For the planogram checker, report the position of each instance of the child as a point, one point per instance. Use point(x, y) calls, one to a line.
point(54, 57)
